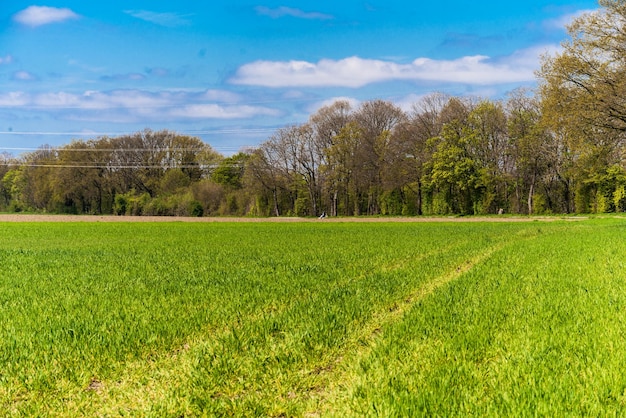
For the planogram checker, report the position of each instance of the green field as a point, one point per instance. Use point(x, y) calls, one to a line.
point(313, 319)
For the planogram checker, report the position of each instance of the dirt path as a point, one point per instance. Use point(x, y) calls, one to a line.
point(109, 218)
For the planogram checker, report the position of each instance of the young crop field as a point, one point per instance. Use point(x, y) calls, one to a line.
point(313, 319)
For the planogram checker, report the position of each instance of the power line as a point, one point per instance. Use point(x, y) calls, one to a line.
point(118, 150)
point(233, 131)
point(62, 149)
point(114, 135)
point(117, 167)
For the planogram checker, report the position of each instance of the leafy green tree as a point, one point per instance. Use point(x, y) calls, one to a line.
point(453, 174)
point(454, 171)
point(14, 184)
point(227, 194)
point(211, 196)
point(7, 161)
point(81, 179)
point(489, 146)
point(582, 92)
point(37, 178)
point(229, 171)
point(173, 181)
point(189, 154)
point(587, 78)
point(342, 164)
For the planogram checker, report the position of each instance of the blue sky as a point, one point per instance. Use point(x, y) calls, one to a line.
point(231, 72)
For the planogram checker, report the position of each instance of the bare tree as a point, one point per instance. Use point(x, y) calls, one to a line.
point(327, 123)
point(376, 120)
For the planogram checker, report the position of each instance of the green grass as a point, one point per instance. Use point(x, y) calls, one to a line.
point(313, 319)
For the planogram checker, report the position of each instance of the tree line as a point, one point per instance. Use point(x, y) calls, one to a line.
point(559, 149)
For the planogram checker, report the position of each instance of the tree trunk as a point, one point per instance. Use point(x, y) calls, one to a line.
point(275, 196)
point(313, 196)
point(419, 197)
point(531, 192)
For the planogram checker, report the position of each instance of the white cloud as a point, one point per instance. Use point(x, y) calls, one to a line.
point(291, 12)
point(125, 100)
point(530, 57)
point(56, 100)
point(43, 15)
point(216, 111)
point(406, 103)
point(23, 76)
point(293, 95)
point(135, 105)
point(357, 72)
point(220, 96)
point(561, 22)
point(14, 99)
point(123, 77)
point(6, 60)
point(354, 103)
point(170, 20)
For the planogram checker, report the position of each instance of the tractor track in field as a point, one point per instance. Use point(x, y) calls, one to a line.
point(368, 338)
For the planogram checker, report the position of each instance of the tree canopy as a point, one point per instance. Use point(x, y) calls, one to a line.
point(560, 149)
